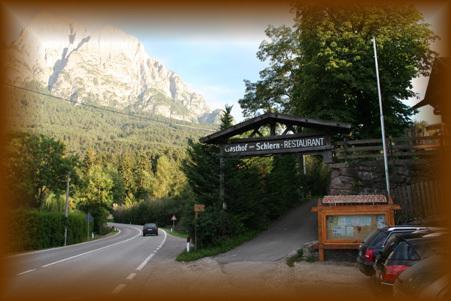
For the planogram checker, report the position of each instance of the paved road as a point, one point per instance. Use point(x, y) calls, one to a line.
point(104, 267)
point(285, 236)
point(128, 264)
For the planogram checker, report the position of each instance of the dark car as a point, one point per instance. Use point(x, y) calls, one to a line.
point(374, 244)
point(427, 279)
point(390, 244)
point(407, 252)
point(150, 228)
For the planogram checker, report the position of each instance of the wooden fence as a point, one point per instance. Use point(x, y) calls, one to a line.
point(419, 201)
point(398, 148)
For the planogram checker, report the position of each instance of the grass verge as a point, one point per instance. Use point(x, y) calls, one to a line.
point(295, 258)
point(224, 246)
point(181, 234)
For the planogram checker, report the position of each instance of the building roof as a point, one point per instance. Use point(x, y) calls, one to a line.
point(436, 85)
point(272, 118)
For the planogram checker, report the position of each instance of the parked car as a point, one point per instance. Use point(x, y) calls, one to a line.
point(406, 252)
point(150, 228)
point(389, 245)
point(427, 279)
point(374, 243)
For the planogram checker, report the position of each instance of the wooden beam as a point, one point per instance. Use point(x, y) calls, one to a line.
point(255, 132)
point(289, 128)
point(273, 128)
point(272, 118)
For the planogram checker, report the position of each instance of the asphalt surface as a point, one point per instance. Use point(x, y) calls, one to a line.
point(104, 267)
point(127, 264)
point(284, 237)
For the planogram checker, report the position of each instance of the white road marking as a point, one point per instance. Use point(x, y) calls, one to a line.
point(148, 258)
point(25, 272)
point(92, 251)
point(131, 276)
point(118, 288)
point(143, 264)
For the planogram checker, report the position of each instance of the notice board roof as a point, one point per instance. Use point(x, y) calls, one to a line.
point(354, 199)
point(271, 118)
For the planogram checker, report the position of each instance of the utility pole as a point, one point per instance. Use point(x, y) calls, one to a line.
point(384, 145)
point(66, 212)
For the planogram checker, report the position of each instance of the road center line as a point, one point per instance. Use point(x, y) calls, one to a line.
point(118, 288)
point(148, 258)
point(92, 251)
point(26, 272)
point(131, 276)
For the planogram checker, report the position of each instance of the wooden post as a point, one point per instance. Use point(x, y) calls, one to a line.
point(195, 230)
point(221, 178)
point(320, 231)
point(273, 129)
point(321, 252)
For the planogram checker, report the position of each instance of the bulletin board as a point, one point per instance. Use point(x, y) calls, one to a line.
point(353, 227)
point(344, 221)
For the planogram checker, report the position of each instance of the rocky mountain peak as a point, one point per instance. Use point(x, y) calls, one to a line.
point(100, 65)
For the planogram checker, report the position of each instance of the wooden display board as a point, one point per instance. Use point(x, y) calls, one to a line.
point(345, 220)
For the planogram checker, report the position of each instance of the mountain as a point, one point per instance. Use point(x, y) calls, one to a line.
point(100, 65)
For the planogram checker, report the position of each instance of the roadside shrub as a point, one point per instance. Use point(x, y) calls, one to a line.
point(36, 229)
point(215, 225)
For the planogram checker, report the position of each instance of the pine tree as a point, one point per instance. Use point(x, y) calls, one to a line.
point(226, 117)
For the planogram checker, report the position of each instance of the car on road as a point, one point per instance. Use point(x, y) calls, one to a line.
point(406, 252)
point(426, 279)
point(150, 228)
point(374, 243)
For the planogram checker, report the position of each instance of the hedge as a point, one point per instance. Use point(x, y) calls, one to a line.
point(37, 229)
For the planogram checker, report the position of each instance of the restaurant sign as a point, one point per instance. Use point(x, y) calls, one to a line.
point(285, 145)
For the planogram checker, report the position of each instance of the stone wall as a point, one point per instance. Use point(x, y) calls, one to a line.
point(368, 176)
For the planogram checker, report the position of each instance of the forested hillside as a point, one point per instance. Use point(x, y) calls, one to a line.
point(82, 127)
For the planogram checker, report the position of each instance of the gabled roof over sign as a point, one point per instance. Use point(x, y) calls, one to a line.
point(272, 118)
point(354, 199)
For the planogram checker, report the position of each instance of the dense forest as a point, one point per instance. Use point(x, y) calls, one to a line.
point(81, 127)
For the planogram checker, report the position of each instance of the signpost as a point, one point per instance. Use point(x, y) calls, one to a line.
point(287, 134)
point(198, 208)
point(173, 219)
point(292, 144)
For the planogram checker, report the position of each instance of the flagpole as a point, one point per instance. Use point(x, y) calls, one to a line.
point(387, 180)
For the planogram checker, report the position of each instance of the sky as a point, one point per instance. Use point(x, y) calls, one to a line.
point(215, 59)
point(215, 52)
